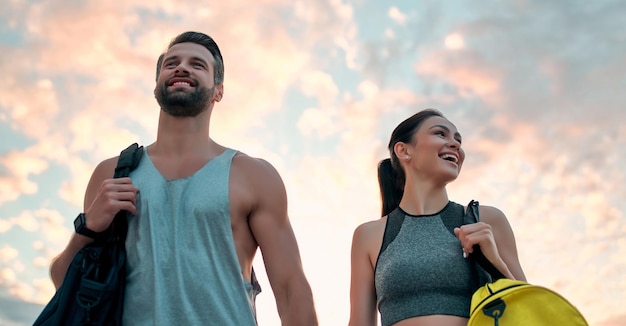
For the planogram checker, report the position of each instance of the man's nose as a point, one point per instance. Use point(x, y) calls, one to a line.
point(182, 67)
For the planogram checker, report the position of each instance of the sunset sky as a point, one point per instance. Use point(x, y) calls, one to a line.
point(536, 88)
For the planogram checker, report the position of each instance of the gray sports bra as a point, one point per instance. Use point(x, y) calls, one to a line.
point(420, 268)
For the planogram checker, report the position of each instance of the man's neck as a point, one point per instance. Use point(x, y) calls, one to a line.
point(182, 136)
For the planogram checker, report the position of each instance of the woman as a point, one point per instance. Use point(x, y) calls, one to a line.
point(411, 263)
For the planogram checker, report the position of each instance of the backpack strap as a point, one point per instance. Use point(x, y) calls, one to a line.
point(472, 216)
point(128, 160)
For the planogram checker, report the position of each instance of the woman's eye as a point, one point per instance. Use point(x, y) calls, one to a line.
point(440, 133)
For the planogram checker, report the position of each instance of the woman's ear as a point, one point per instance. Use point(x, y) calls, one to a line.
point(402, 151)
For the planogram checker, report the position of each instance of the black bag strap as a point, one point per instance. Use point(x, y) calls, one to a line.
point(472, 216)
point(128, 161)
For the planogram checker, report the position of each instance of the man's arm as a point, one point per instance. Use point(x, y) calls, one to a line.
point(272, 230)
point(104, 197)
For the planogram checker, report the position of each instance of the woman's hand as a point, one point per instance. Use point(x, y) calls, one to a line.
point(478, 234)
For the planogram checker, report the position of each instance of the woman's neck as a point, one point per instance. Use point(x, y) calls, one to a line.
point(423, 200)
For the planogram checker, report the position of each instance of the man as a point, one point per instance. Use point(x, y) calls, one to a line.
point(199, 212)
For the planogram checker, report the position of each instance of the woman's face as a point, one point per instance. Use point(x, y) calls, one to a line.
point(436, 150)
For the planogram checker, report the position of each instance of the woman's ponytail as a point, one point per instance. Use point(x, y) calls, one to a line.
point(391, 184)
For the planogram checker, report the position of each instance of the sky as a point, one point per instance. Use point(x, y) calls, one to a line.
point(535, 87)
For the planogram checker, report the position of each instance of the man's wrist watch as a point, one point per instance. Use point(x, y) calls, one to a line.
point(81, 228)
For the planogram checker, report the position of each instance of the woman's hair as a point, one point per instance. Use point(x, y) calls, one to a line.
point(391, 176)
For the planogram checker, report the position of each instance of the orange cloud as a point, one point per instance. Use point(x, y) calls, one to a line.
point(461, 69)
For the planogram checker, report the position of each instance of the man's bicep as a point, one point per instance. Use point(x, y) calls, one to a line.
point(270, 223)
point(272, 230)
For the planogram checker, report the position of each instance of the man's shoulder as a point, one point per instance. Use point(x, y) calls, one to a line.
point(246, 161)
point(255, 169)
point(106, 168)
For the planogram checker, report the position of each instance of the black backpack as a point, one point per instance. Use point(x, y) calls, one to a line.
point(92, 292)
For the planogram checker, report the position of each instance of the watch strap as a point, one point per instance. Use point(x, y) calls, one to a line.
point(81, 228)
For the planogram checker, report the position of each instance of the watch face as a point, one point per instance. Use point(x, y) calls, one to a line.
point(79, 222)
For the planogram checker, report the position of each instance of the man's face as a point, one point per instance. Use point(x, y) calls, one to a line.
point(185, 85)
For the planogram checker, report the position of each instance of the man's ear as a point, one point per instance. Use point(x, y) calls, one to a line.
point(219, 92)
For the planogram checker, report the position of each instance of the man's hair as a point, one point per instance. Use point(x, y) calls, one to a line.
point(158, 67)
point(208, 43)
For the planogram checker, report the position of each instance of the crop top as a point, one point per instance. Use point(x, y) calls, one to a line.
point(420, 269)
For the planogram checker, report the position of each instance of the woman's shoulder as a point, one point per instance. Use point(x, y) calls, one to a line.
point(368, 237)
point(370, 228)
point(491, 215)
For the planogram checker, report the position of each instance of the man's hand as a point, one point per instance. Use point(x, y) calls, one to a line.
point(114, 195)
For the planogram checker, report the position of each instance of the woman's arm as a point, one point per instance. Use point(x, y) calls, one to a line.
point(362, 291)
point(504, 238)
point(496, 240)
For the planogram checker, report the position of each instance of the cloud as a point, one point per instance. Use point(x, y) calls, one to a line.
point(29, 103)
point(18, 313)
point(454, 41)
point(471, 76)
point(7, 254)
point(319, 84)
point(19, 167)
point(614, 321)
point(56, 231)
point(316, 121)
point(329, 24)
point(49, 225)
point(397, 16)
point(26, 222)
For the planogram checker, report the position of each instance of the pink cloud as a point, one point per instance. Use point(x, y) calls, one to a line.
point(463, 69)
point(20, 167)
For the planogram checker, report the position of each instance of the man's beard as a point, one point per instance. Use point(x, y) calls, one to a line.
point(181, 103)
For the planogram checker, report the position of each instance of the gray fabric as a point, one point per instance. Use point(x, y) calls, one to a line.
point(182, 265)
point(422, 270)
